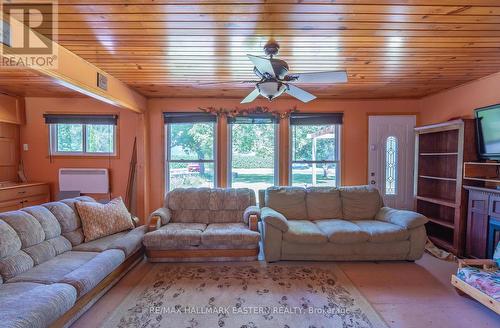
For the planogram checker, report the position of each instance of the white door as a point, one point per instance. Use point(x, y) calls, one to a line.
point(391, 143)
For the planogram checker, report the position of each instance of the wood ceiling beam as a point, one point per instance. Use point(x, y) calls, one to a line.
point(77, 74)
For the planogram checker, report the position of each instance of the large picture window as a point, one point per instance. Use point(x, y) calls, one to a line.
point(253, 151)
point(315, 158)
point(81, 135)
point(190, 150)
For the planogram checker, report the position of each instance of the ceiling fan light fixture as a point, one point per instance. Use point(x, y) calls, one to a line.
point(271, 89)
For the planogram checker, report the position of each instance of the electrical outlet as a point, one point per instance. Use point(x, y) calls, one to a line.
point(26, 147)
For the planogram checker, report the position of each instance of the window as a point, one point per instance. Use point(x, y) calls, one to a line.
point(253, 151)
point(82, 134)
point(391, 165)
point(315, 158)
point(190, 150)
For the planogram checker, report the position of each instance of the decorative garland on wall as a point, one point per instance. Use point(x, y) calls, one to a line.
point(248, 111)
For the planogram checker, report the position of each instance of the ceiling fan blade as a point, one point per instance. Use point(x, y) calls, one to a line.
point(262, 64)
point(321, 77)
point(251, 96)
point(300, 94)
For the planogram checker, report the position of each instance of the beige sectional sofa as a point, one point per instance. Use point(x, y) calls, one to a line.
point(348, 223)
point(48, 275)
point(204, 224)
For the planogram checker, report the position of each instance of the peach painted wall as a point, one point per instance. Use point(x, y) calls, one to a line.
point(460, 101)
point(354, 136)
point(40, 167)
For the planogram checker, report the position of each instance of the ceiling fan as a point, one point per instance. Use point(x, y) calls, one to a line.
point(275, 79)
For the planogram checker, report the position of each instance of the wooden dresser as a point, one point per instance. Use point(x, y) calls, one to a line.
point(14, 196)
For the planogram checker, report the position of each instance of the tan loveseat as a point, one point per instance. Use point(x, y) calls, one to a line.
point(348, 223)
point(48, 274)
point(203, 224)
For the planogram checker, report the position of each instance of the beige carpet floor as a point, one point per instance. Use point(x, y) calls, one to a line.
point(246, 295)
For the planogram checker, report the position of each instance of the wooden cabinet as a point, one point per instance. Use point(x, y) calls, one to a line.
point(16, 196)
point(484, 205)
point(477, 224)
point(440, 151)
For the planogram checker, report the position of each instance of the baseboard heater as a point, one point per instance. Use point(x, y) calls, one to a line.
point(84, 180)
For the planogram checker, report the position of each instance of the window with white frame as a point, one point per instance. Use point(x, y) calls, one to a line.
point(82, 135)
point(253, 151)
point(315, 149)
point(190, 141)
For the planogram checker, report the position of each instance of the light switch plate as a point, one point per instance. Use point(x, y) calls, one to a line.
point(26, 147)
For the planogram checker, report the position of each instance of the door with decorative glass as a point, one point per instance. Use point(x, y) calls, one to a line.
point(391, 158)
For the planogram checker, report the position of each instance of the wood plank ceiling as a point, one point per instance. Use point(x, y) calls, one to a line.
point(390, 48)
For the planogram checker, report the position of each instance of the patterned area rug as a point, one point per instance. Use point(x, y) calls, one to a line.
point(245, 295)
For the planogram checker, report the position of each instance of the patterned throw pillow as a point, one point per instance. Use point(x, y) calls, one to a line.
point(101, 220)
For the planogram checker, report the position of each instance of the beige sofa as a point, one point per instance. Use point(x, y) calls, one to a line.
point(203, 224)
point(48, 274)
point(348, 223)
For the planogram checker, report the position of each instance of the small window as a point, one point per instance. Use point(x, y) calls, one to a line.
point(80, 135)
point(391, 166)
point(190, 150)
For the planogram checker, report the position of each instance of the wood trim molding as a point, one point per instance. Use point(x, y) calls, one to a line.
point(204, 253)
point(79, 75)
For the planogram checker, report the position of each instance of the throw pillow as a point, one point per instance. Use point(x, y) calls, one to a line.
point(101, 220)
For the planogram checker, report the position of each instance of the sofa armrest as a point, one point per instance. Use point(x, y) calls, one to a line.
point(163, 213)
point(251, 210)
point(154, 223)
point(135, 221)
point(253, 222)
point(274, 218)
point(403, 218)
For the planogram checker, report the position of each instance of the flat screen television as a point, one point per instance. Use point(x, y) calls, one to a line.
point(488, 132)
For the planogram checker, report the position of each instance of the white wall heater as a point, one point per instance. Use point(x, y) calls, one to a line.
point(86, 181)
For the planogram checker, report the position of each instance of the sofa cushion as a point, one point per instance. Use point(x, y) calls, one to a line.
point(41, 252)
point(15, 290)
point(382, 232)
point(9, 240)
point(101, 220)
point(47, 220)
point(323, 203)
point(14, 265)
point(34, 305)
point(304, 232)
point(131, 242)
point(28, 229)
point(69, 221)
point(360, 202)
point(90, 274)
point(56, 268)
point(229, 234)
point(127, 241)
point(175, 235)
point(188, 199)
point(342, 231)
point(60, 244)
point(231, 199)
point(99, 245)
point(289, 201)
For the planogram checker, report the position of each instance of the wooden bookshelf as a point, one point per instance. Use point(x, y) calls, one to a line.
point(440, 153)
